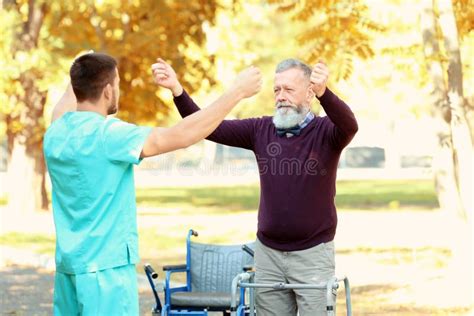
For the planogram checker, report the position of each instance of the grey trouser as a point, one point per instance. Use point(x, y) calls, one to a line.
point(313, 265)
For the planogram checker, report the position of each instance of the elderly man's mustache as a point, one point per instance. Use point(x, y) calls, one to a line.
point(284, 104)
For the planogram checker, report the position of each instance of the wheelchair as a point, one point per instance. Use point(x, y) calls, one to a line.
point(210, 270)
point(221, 278)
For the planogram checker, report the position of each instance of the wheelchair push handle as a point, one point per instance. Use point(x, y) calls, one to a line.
point(193, 233)
point(248, 250)
point(151, 274)
point(150, 271)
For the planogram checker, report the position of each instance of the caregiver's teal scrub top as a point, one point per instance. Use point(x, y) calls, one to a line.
point(90, 161)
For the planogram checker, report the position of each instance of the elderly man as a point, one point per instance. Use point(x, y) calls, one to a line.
point(297, 154)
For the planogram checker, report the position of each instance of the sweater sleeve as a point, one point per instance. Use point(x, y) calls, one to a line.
point(236, 133)
point(343, 125)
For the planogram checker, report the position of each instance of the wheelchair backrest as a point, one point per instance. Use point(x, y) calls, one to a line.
point(214, 266)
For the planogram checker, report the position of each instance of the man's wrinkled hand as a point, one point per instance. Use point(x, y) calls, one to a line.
point(165, 76)
point(319, 78)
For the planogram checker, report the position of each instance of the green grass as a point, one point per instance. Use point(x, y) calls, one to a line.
point(386, 194)
point(351, 195)
point(219, 199)
point(355, 195)
point(37, 242)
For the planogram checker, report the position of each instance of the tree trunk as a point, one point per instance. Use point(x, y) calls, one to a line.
point(26, 167)
point(451, 168)
point(26, 180)
point(443, 162)
point(462, 145)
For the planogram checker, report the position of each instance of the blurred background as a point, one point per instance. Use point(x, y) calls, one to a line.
point(404, 191)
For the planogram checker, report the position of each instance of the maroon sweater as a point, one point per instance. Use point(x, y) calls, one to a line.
point(297, 174)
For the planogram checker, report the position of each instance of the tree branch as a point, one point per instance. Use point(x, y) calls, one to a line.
point(32, 26)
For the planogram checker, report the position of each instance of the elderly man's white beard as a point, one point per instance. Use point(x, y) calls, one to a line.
point(286, 117)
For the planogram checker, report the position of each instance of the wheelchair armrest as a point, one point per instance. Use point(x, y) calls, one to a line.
point(176, 268)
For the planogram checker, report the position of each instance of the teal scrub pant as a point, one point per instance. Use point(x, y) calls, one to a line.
point(106, 292)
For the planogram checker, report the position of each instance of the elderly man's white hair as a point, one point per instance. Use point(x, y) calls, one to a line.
point(294, 63)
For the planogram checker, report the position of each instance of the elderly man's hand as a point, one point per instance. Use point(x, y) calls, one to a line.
point(166, 77)
point(319, 78)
